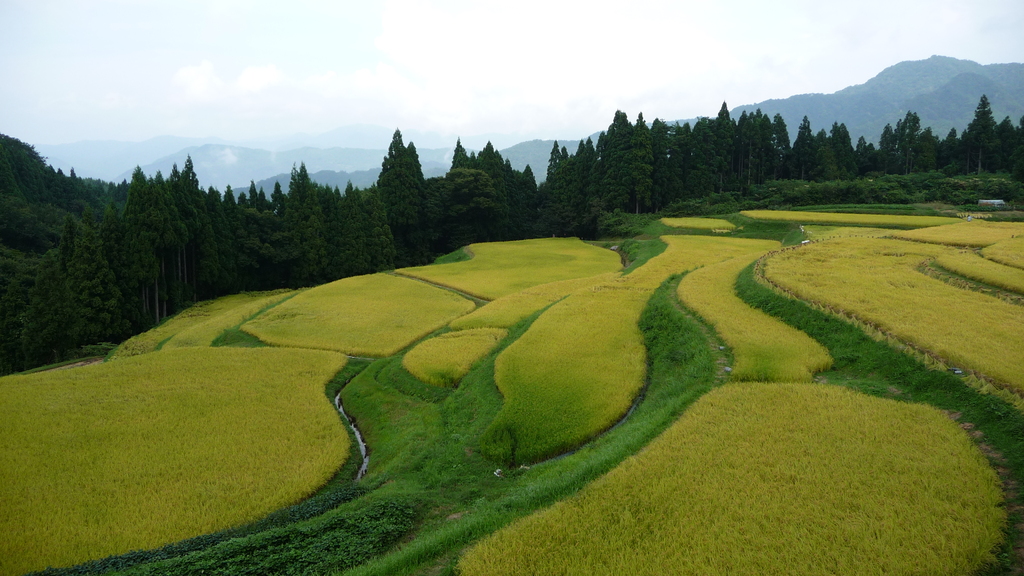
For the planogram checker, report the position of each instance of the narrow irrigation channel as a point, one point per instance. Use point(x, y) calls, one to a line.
point(359, 437)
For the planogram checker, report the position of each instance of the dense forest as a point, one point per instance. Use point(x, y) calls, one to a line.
point(85, 262)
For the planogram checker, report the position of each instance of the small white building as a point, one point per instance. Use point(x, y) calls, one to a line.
point(998, 203)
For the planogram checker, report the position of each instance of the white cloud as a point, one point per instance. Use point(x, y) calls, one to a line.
point(199, 82)
point(256, 78)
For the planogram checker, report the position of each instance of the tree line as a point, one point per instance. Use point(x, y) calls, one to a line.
point(84, 261)
point(638, 168)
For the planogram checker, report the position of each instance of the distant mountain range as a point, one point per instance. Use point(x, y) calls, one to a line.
point(943, 91)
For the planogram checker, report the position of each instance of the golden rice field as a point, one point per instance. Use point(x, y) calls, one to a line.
point(506, 311)
point(501, 268)
point(204, 333)
point(200, 321)
point(375, 315)
point(699, 223)
point(820, 232)
point(969, 264)
point(877, 281)
point(759, 479)
point(445, 359)
point(143, 451)
point(847, 218)
point(1008, 252)
point(975, 234)
point(582, 362)
point(764, 348)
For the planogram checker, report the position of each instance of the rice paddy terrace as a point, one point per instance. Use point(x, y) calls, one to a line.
point(851, 402)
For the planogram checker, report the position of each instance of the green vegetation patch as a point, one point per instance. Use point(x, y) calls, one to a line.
point(765, 478)
point(500, 268)
point(143, 451)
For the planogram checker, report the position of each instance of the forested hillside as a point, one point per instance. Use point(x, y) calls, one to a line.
point(85, 261)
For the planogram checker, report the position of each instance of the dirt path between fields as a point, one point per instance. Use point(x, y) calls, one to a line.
point(87, 362)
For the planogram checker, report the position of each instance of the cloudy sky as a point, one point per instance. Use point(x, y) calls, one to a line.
point(132, 70)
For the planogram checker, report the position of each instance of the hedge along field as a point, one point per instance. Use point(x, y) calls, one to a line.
point(703, 498)
point(374, 315)
point(970, 265)
point(974, 234)
point(506, 311)
point(877, 281)
point(699, 223)
point(764, 349)
point(1008, 252)
point(501, 268)
point(143, 451)
point(445, 359)
point(579, 367)
point(193, 319)
point(847, 218)
point(205, 333)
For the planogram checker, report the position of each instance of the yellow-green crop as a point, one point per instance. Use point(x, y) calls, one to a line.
point(582, 362)
point(445, 359)
point(500, 268)
point(142, 451)
point(820, 232)
point(969, 264)
point(504, 312)
point(1009, 252)
point(847, 218)
point(759, 479)
point(764, 348)
point(976, 234)
point(877, 281)
point(374, 315)
point(206, 332)
point(699, 223)
point(193, 318)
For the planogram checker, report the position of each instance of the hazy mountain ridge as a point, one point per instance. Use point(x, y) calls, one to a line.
point(943, 91)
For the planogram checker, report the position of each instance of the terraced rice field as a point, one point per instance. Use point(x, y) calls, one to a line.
point(582, 362)
point(848, 218)
point(877, 280)
point(204, 333)
point(974, 234)
point(699, 223)
point(1008, 252)
point(764, 348)
point(510, 309)
point(740, 485)
point(816, 232)
point(143, 451)
point(375, 315)
point(501, 268)
point(445, 359)
point(198, 323)
point(970, 265)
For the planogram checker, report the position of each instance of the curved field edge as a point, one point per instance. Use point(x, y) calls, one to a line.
point(162, 446)
point(886, 220)
point(283, 539)
point(681, 369)
point(822, 491)
point(375, 315)
point(876, 368)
